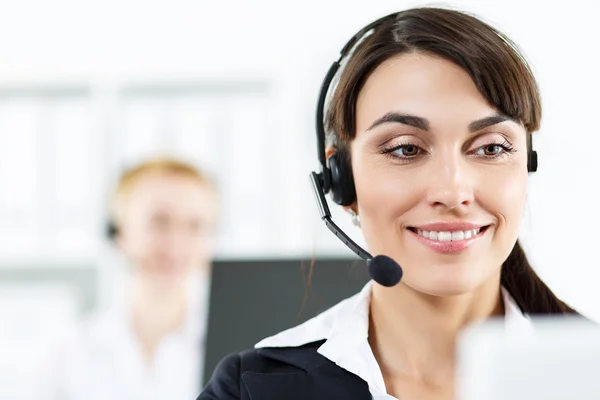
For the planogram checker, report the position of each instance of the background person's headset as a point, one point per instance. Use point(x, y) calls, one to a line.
point(336, 172)
point(111, 230)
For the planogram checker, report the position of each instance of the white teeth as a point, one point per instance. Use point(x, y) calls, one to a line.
point(444, 236)
point(448, 236)
point(458, 235)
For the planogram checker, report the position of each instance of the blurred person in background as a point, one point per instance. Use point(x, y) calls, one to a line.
point(149, 344)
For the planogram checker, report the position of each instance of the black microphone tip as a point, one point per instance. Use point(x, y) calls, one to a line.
point(384, 270)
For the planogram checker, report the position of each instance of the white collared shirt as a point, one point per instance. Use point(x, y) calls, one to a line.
point(102, 359)
point(345, 327)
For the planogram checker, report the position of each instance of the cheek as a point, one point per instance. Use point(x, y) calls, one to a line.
point(504, 190)
point(506, 197)
point(383, 194)
point(190, 249)
point(380, 195)
point(142, 244)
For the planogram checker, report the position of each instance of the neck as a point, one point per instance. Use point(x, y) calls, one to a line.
point(413, 335)
point(156, 312)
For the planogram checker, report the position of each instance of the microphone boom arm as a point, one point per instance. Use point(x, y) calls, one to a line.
point(326, 217)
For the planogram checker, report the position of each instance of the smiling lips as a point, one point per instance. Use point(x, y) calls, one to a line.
point(449, 237)
point(446, 236)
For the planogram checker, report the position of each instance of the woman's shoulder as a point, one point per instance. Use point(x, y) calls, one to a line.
point(224, 383)
point(289, 358)
point(238, 371)
point(271, 373)
point(270, 360)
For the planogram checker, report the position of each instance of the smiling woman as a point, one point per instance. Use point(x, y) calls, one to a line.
point(461, 168)
point(432, 122)
point(429, 132)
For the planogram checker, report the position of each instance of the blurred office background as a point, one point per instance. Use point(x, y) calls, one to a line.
point(89, 88)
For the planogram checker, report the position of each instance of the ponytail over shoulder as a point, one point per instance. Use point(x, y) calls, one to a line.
point(529, 291)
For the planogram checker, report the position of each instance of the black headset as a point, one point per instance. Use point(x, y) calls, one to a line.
point(111, 230)
point(336, 171)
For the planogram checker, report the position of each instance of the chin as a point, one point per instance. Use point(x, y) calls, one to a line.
point(165, 276)
point(446, 283)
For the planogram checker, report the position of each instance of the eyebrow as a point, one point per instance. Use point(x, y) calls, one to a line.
point(400, 118)
point(423, 123)
point(489, 121)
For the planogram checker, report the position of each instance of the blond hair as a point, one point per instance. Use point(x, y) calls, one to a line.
point(159, 165)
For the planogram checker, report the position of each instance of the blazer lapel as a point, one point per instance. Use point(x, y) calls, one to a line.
point(272, 386)
point(310, 376)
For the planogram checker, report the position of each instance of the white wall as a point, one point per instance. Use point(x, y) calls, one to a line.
point(107, 43)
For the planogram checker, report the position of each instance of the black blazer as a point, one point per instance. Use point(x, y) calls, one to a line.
point(291, 373)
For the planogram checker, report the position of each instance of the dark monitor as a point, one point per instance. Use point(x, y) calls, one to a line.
point(251, 300)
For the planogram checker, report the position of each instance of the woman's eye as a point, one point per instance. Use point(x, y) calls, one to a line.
point(494, 150)
point(403, 152)
point(408, 150)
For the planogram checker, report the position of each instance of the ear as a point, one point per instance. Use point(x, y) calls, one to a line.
point(329, 151)
point(353, 207)
point(119, 241)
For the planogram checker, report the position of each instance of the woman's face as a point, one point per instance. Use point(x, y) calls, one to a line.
point(166, 227)
point(440, 174)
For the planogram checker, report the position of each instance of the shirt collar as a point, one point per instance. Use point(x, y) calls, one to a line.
point(345, 328)
point(352, 311)
point(114, 323)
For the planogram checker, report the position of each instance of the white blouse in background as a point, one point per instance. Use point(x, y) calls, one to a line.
point(102, 360)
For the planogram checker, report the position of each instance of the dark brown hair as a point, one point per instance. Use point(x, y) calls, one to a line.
point(501, 75)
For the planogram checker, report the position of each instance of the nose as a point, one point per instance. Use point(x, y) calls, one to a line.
point(451, 184)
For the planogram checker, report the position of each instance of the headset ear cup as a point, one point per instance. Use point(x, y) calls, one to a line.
point(111, 230)
point(532, 161)
point(343, 191)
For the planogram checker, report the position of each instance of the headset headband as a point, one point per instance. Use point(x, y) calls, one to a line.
point(320, 121)
point(532, 159)
point(321, 182)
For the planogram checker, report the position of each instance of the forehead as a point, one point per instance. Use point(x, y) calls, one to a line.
point(169, 192)
point(421, 85)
